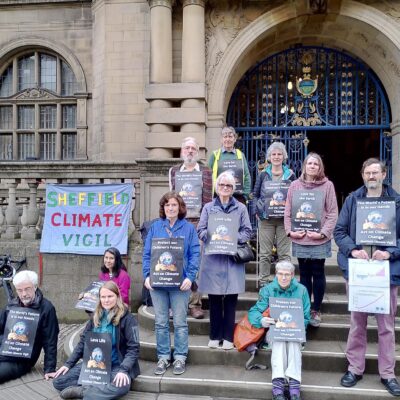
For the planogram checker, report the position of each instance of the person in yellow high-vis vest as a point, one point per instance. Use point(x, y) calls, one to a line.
point(227, 158)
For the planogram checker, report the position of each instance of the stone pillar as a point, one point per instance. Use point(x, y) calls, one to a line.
point(395, 127)
point(193, 57)
point(161, 66)
point(11, 213)
point(32, 213)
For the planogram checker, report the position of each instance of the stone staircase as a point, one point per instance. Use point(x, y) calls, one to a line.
point(215, 372)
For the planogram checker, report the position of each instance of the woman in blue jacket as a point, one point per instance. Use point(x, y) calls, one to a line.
point(172, 224)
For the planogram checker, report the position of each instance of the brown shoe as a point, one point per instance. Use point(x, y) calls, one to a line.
point(196, 313)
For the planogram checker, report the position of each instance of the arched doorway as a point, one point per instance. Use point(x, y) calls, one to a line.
point(314, 99)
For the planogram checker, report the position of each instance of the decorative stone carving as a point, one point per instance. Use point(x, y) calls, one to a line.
point(31, 214)
point(35, 93)
point(12, 213)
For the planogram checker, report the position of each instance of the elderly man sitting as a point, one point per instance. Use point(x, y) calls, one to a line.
point(31, 298)
point(286, 356)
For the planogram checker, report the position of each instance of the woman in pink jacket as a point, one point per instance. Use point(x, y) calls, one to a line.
point(310, 217)
point(113, 269)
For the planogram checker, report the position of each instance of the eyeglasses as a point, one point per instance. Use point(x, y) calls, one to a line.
point(282, 275)
point(225, 185)
point(229, 135)
point(190, 148)
point(373, 173)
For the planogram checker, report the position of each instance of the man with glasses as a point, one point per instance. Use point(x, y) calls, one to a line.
point(286, 356)
point(373, 173)
point(31, 298)
point(191, 167)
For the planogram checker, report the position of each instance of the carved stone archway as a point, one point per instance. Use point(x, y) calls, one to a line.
point(361, 30)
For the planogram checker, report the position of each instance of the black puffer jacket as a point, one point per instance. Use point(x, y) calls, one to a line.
point(46, 334)
point(127, 344)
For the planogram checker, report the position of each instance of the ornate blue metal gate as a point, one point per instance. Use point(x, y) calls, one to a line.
point(304, 89)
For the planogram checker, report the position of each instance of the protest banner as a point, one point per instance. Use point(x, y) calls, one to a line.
point(86, 219)
point(20, 332)
point(376, 221)
point(90, 297)
point(190, 186)
point(96, 363)
point(307, 210)
point(275, 198)
point(166, 264)
point(222, 234)
point(369, 286)
point(289, 320)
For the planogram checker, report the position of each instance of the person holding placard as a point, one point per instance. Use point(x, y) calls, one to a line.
point(346, 233)
point(286, 355)
point(269, 198)
point(193, 182)
point(227, 158)
point(33, 318)
point(310, 216)
point(223, 224)
point(113, 269)
point(170, 265)
point(111, 317)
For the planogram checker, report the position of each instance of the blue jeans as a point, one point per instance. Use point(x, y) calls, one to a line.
point(96, 392)
point(178, 301)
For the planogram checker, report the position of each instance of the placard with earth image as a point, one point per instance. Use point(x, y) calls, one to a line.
point(222, 233)
point(190, 187)
point(235, 168)
point(307, 210)
point(275, 198)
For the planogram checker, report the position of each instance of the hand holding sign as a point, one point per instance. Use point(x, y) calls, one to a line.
point(380, 255)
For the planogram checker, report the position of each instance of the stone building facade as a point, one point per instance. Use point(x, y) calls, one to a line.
point(89, 88)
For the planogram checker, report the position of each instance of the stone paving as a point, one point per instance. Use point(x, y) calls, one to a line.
point(33, 386)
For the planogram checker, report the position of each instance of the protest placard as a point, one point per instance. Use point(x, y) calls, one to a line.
point(235, 168)
point(274, 202)
point(96, 363)
point(222, 233)
point(166, 264)
point(20, 332)
point(307, 210)
point(90, 297)
point(376, 221)
point(190, 186)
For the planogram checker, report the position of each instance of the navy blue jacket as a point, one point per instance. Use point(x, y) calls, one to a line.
point(345, 233)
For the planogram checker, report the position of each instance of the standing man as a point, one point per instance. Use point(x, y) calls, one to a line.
point(184, 179)
point(373, 173)
point(227, 158)
point(31, 298)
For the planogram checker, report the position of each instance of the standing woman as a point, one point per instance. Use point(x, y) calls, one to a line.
point(312, 248)
point(220, 276)
point(271, 227)
point(113, 269)
point(172, 224)
point(111, 316)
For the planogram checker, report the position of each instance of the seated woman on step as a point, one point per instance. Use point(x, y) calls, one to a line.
point(220, 276)
point(286, 356)
point(111, 317)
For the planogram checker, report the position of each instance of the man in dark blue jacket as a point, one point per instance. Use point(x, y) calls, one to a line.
point(373, 173)
point(31, 298)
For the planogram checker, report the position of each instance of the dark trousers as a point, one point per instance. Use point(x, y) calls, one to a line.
point(13, 370)
point(312, 276)
point(96, 392)
point(222, 316)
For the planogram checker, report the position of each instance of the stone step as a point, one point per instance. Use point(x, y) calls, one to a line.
point(235, 382)
point(333, 327)
point(334, 284)
point(317, 355)
point(330, 268)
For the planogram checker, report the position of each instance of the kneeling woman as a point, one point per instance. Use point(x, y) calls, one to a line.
point(110, 316)
point(286, 356)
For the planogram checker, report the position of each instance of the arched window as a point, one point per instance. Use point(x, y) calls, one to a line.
point(38, 108)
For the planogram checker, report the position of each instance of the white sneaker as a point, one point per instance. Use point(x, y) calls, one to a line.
point(213, 344)
point(227, 345)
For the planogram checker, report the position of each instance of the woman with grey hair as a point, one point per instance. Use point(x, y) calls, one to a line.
point(220, 276)
point(270, 224)
point(286, 356)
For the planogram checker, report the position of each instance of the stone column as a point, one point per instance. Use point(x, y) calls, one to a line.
point(161, 66)
point(395, 127)
point(193, 59)
point(32, 213)
point(11, 213)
